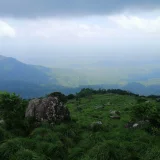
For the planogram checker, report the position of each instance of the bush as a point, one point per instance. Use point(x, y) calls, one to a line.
point(152, 154)
point(60, 96)
point(12, 110)
point(4, 135)
point(143, 111)
point(9, 148)
point(108, 150)
point(25, 154)
point(71, 96)
point(44, 134)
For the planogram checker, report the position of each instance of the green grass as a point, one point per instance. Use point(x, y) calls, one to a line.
point(91, 114)
point(78, 139)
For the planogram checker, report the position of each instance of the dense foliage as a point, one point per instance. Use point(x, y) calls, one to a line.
point(90, 135)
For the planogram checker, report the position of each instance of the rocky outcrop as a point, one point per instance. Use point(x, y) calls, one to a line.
point(114, 115)
point(49, 109)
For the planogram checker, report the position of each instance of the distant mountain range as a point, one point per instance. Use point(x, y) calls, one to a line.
point(35, 81)
point(11, 69)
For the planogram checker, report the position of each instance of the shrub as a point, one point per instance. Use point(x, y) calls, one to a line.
point(12, 110)
point(4, 134)
point(152, 154)
point(71, 96)
point(143, 111)
point(9, 148)
point(25, 154)
point(108, 150)
point(60, 96)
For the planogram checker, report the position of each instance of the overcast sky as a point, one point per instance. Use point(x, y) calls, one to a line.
point(37, 31)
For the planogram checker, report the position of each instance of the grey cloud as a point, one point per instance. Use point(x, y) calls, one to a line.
point(43, 8)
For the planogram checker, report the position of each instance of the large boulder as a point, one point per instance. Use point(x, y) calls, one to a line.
point(49, 109)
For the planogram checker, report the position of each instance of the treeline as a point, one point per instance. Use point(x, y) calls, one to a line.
point(85, 92)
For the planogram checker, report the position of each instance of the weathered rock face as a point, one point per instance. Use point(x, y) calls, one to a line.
point(48, 109)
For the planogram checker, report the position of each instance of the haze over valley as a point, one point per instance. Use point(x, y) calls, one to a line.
point(33, 80)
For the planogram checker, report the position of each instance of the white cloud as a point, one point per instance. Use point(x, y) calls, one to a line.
point(86, 29)
point(137, 23)
point(61, 29)
point(118, 35)
point(110, 29)
point(6, 30)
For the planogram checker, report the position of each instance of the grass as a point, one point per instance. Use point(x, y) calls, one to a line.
point(82, 138)
point(89, 113)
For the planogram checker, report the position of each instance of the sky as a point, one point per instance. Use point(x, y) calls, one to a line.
point(48, 32)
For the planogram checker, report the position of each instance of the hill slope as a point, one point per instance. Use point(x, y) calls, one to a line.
point(11, 69)
point(90, 134)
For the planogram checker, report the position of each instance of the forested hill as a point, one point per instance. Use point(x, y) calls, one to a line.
point(11, 69)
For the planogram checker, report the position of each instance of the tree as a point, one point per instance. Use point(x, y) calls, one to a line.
point(12, 109)
point(85, 92)
point(60, 96)
point(71, 96)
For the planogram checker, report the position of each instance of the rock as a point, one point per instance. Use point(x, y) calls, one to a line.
point(108, 104)
point(112, 112)
point(139, 124)
point(99, 122)
point(1, 121)
point(115, 117)
point(135, 125)
point(95, 126)
point(96, 123)
point(115, 114)
point(143, 123)
point(99, 107)
point(147, 102)
point(49, 109)
point(158, 99)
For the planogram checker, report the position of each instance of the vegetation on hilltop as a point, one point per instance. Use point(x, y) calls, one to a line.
point(90, 135)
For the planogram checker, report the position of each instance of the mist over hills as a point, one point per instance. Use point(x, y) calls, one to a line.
point(35, 81)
